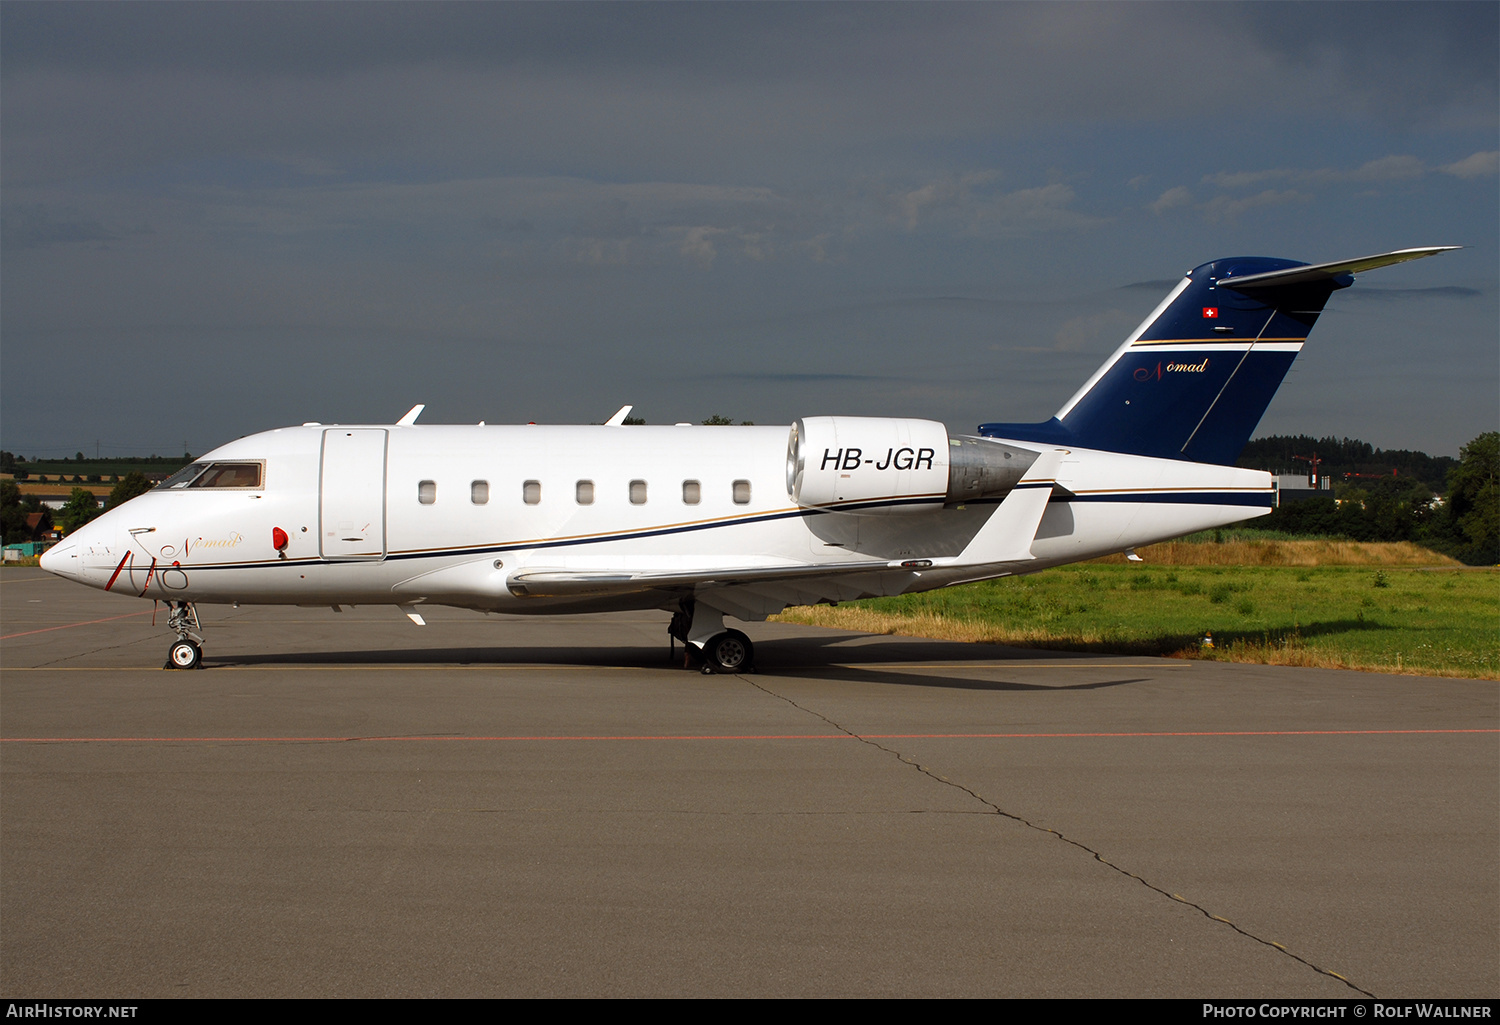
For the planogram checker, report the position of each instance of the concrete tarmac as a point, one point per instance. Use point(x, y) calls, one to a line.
point(349, 805)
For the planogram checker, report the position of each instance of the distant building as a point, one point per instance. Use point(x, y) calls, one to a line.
point(1298, 487)
point(40, 539)
point(56, 502)
point(25, 550)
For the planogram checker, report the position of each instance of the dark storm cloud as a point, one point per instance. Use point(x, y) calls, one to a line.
point(808, 378)
point(1433, 51)
point(540, 211)
point(321, 41)
point(1406, 59)
point(640, 88)
point(1368, 292)
point(1156, 285)
point(34, 227)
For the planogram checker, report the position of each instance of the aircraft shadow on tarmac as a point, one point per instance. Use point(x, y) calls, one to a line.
point(819, 658)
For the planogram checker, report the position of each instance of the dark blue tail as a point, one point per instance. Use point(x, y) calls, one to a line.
point(1196, 377)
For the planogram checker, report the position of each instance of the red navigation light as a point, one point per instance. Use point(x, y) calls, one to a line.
point(279, 540)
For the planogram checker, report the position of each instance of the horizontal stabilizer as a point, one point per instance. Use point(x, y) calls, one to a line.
point(1327, 271)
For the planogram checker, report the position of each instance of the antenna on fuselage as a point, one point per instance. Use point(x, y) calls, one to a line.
point(411, 415)
point(618, 420)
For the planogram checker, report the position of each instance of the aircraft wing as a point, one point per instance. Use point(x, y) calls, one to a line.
point(759, 591)
point(748, 592)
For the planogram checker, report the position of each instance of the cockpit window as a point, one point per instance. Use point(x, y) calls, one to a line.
point(183, 477)
point(214, 475)
point(229, 475)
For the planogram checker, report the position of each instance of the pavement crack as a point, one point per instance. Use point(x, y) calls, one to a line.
point(1096, 855)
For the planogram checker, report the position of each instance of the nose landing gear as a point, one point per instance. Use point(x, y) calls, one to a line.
point(187, 651)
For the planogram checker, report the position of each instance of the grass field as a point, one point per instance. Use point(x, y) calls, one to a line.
point(1386, 614)
point(1381, 609)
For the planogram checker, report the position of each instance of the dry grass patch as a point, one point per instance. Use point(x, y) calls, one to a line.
point(1287, 553)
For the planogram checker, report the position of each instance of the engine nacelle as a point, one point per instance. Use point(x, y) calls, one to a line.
point(884, 465)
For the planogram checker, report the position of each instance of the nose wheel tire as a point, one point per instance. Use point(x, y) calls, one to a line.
point(729, 652)
point(185, 655)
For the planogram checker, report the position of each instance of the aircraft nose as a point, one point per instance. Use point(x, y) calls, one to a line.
point(63, 559)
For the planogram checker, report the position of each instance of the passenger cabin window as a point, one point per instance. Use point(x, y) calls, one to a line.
point(584, 492)
point(531, 492)
point(426, 491)
point(741, 492)
point(692, 492)
point(479, 492)
point(637, 492)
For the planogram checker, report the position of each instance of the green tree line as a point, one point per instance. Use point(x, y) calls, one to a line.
point(80, 508)
point(1464, 525)
point(1277, 453)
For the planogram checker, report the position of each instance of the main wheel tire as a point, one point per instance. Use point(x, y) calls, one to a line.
point(729, 652)
point(185, 655)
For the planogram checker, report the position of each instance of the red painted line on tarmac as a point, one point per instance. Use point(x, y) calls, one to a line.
point(733, 736)
point(69, 626)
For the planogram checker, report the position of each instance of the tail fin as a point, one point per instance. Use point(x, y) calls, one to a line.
point(1195, 378)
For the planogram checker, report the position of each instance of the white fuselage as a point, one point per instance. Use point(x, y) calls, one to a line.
point(499, 518)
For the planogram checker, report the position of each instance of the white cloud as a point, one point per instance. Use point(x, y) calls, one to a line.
point(1030, 211)
point(1087, 332)
point(698, 245)
point(1476, 166)
point(1385, 169)
point(1173, 198)
point(1397, 167)
point(950, 193)
point(1222, 208)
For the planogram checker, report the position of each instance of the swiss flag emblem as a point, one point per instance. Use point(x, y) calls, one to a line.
point(1211, 312)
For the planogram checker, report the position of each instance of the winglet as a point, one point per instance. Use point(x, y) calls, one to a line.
point(411, 415)
point(618, 419)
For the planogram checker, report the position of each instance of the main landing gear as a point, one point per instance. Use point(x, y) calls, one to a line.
point(704, 639)
point(187, 651)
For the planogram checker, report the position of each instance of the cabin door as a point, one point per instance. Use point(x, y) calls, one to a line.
point(351, 500)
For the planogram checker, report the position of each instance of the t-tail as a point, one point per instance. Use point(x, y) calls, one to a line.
point(1195, 378)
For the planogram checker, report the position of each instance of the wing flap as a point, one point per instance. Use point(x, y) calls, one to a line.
point(542, 582)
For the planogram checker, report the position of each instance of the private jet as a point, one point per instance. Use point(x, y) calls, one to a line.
point(741, 522)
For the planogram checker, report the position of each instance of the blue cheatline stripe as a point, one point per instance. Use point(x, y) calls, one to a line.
point(1264, 499)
